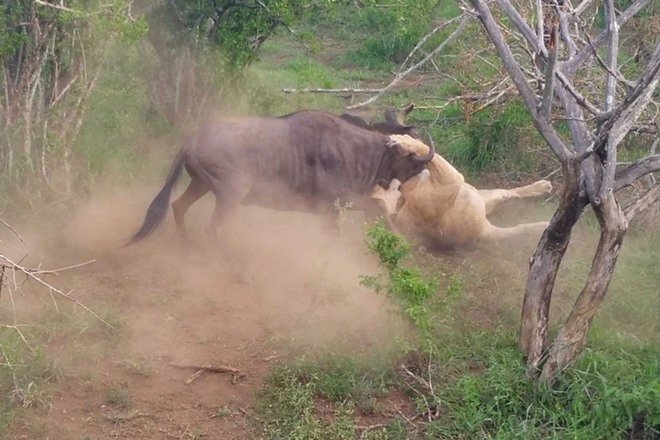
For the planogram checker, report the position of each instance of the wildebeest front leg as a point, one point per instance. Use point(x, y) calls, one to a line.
point(196, 189)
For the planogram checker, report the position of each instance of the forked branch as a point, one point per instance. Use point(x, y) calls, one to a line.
point(529, 97)
point(7, 263)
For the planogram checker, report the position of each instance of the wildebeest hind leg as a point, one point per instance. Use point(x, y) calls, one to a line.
point(196, 189)
point(228, 197)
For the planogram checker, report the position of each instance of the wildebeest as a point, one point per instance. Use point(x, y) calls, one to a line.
point(303, 161)
point(445, 212)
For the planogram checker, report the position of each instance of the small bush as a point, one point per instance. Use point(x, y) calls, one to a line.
point(497, 139)
point(386, 42)
point(26, 376)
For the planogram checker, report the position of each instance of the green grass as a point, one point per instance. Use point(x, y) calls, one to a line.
point(468, 372)
point(55, 342)
point(478, 383)
point(316, 397)
point(118, 395)
point(27, 377)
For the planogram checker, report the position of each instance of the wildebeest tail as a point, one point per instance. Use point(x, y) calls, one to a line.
point(158, 208)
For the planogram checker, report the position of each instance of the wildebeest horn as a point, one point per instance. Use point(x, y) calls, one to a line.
point(427, 158)
point(390, 118)
point(399, 118)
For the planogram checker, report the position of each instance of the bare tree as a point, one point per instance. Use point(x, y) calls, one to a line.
point(50, 60)
point(574, 77)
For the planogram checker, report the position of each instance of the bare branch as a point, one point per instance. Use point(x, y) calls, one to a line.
point(425, 38)
point(17, 329)
point(581, 100)
point(539, 23)
point(616, 74)
point(402, 74)
point(565, 32)
point(321, 90)
point(641, 203)
point(12, 230)
point(61, 269)
point(581, 56)
point(609, 168)
point(612, 52)
point(51, 289)
point(637, 169)
point(549, 89)
point(521, 24)
point(51, 5)
point(625, 115)
point(582, 7)
point(529, 97)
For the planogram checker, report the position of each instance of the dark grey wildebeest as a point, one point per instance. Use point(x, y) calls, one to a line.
point(300, 162)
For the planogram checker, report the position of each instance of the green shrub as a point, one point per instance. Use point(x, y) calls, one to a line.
point(495, 140)
point(386, 42)
point(26, 376)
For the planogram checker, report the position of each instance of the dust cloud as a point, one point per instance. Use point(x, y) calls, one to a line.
point(275, 277)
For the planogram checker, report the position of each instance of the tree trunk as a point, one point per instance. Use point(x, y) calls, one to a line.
point(573, 333)
point(543, 270)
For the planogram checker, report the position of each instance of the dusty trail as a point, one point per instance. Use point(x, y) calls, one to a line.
point(280, 283)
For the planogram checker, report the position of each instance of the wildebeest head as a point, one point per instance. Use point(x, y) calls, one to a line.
point(408, 157)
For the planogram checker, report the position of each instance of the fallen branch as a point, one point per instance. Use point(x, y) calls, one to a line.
point(321, 90)
point(51, 5)
point(206, 368)
point(420, 380)
point(366, 429)
point(120, 418)
point(249, 414)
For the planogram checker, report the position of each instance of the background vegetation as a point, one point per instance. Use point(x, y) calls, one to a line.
point(106, 93)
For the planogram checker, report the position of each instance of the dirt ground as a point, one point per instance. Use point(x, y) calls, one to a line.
point(278, 284)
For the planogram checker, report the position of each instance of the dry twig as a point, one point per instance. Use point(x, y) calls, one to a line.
point(366, 429)
point(202, 369)
point(322, 90)
point(11, 228)
point(33, 274)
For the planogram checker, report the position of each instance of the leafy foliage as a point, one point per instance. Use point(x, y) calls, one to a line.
point(26, 376)
point(497, 139)
point(238, 28)
point(406, 285)
point(51, 56)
